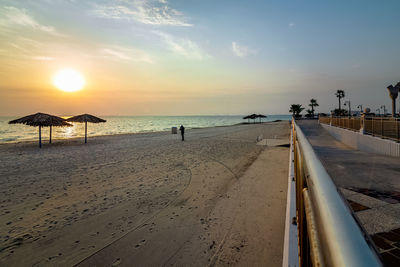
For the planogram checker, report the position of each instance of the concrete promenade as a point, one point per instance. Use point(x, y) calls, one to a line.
point(370, 183)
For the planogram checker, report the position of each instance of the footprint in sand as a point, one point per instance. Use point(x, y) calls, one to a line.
point(116, 262)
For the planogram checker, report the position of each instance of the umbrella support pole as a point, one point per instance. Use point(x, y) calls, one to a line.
point(50, 135)
point(40, 136)
point(85, 132)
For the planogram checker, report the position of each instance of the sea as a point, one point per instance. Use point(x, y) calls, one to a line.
point(10, 133)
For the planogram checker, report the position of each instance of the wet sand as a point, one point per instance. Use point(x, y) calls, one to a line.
point(147, 199)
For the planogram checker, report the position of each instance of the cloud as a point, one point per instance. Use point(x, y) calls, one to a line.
point(13, 17)
point(241, 50)
point(125, 54)
point(292, 24)
point(43, 58)
point(144, 11)
point(182, 46)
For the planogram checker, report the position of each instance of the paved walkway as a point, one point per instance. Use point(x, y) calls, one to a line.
point(370, 183)
point(351, 168)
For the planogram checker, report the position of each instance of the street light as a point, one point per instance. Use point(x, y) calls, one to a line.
point(384, 109)
point(360, 107)
point(349, 103)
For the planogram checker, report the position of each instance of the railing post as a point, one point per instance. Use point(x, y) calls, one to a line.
point(362, 124)
point(382, 127)
point(372, 125)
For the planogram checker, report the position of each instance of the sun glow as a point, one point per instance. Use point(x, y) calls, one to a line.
point(68, 80)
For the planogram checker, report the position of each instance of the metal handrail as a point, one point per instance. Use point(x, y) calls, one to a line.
point(384, 127)
point(336, 239)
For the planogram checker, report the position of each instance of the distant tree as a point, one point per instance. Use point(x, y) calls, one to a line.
point(341, 112)
point(309, 113)
point(296, 109)
point(313, 103)
point(340, 94)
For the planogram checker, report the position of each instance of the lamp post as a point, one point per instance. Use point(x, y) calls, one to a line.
point(384, 110)
point(348, 103)
point(360, 107)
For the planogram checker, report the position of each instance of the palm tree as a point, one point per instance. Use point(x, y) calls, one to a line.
point(340, 94)
point(393, 92)
point(313, 103)
point(296, 109)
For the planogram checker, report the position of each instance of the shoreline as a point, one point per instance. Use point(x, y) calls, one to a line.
point(72, 139)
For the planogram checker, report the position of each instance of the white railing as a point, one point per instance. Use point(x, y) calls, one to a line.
point(328, 233)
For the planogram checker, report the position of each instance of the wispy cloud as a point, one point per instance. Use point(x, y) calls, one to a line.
point(43, 58)
point(125, 54)
point(12, 17)
point(144, 11)
point(182, 46)
point(292, 24)
point(241, 50)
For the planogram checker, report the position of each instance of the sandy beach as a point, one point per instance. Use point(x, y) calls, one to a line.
point(216, 199)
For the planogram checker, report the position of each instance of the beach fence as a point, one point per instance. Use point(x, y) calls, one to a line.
point(327, 232)
point(384, 127)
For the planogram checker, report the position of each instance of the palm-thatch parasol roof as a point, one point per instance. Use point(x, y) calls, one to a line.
point(261, 116)
point(41, 120)
point(85, 118)
point(252, 116)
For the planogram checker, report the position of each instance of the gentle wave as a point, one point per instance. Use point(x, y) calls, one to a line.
point(119, 125)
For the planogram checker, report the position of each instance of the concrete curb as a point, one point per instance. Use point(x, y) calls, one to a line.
point(290, 246)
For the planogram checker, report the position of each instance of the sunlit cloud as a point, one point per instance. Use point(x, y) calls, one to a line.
point(241, 50)
point(125, 54)
point(12, 17)
point(144, 11)
point(43, 58)
point(182, 46)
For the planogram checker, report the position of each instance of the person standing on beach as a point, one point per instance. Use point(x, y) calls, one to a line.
point(182, 129)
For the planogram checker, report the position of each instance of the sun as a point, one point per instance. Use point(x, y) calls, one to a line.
point(68, 80)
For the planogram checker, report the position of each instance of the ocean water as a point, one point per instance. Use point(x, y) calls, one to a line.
point(119, 125)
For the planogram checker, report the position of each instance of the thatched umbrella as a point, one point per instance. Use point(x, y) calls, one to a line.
point(252, 116)
point(261, 116)
point(41, 120)
point(85, 118)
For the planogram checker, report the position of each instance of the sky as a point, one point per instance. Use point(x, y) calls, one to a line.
point(196, 57)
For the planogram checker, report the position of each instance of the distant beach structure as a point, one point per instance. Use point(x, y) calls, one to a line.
point(254, 117)
point(85, 118)
point(41, 120)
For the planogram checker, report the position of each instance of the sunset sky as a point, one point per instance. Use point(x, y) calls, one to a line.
point(196, 57)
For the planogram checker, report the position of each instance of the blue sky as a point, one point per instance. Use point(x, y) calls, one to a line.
point(197, 57)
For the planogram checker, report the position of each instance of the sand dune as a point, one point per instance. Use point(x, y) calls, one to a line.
point(216, 199)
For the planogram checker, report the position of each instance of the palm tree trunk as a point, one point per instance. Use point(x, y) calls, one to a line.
point(85, 132)
point(393, 107)
point(340, 108)
point(40, 136)
point(50, 135)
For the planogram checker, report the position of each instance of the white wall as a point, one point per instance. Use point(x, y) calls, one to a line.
point(365, 143)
